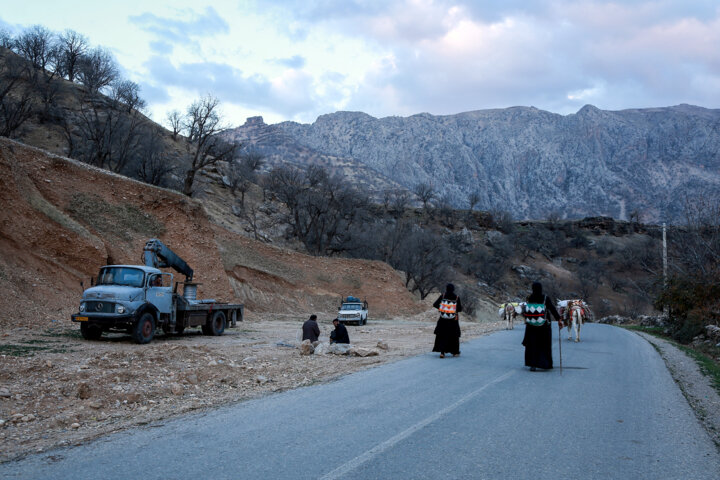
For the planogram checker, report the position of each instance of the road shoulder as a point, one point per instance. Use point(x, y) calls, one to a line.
point(696, 387)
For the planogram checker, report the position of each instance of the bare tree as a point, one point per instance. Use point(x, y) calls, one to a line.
point(204, 147)
point(257, 220)
point(97, 69)
point(154, 164)
point(324, 210)
point(486, 265)
point(425, 193)
point(127, 93)
point(425, 260)
point(287, 183)
point(636, 216)
point(473, 200)
point(445, 211)
point(71, 47)
point(696, 247)
point(400, 202)
point(502, 220)
point(174, 120)
point(6, 39)
point(46, 87)
point(38, 45)
point(108, 135)
point(589, 274)
point(16, 105)
point(553, 219)
point(242, 173)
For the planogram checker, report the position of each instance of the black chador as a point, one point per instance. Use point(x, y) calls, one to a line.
point(538, 339)
point(447, 330)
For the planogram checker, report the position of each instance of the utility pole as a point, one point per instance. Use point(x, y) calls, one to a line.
point(664, 255)
point(665, 264)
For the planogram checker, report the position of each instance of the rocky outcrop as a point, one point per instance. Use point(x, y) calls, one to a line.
point(528, 161)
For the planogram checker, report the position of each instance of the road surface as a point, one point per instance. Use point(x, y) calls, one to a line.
point(613, 413)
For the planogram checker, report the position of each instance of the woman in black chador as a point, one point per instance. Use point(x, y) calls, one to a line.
point(538, 339)
point(447, 330)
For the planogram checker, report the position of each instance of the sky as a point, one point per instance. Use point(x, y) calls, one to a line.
point(298, 59)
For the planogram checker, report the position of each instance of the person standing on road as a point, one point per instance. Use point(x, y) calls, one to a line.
point(340, 334)
point(538, 331)
point(311, 329)
point(447, 330)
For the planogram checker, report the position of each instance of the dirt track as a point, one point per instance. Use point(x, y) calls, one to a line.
point(64, 390)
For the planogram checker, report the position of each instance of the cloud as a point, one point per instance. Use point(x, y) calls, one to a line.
point(289, 94)
point(446, 58)
point(295, 62)
point(162, 48)
point(154, 94)
point(171, 30)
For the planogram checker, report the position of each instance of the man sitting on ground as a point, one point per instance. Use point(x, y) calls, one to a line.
point(340, 334)
point(311, 329)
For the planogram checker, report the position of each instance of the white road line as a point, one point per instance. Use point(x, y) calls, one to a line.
point(391, 442)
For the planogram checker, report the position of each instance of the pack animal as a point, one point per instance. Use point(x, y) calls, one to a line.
point(509, 314)
point(576, 317)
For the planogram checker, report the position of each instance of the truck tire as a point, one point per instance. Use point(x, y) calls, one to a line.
point(144, 329)
point(215, 325)
point(90, 332)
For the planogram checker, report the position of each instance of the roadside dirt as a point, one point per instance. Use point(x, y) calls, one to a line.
point(63, 390)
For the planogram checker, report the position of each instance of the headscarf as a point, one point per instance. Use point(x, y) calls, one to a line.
point(537, 293)
point(450, 288)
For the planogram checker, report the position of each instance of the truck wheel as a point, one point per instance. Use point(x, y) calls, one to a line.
point(215, 325)
point(90, 332)
point(144, 329)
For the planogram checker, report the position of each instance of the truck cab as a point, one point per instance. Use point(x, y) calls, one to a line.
point(353, 310)
point(121, 295)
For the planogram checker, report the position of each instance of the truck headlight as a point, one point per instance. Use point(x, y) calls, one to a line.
point(120, 308)
point(82, 307)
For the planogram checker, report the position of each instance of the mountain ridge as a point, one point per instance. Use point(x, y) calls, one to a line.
point(592, 162)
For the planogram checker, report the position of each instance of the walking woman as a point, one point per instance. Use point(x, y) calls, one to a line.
point(538, 334)
point(447, 330)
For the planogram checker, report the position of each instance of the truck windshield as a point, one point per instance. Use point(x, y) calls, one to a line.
point(131, 277)
point(352, 306)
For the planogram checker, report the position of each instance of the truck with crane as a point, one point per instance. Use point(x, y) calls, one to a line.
point(138, 299)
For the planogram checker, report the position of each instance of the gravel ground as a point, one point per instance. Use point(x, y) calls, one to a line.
point(65, 390)
point(696, 386)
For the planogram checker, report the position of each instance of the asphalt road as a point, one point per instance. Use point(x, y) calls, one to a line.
point(613, 413)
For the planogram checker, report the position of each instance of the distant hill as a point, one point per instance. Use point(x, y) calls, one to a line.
point(523, 160)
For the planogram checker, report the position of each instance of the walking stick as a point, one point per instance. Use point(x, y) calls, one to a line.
point(560, 345)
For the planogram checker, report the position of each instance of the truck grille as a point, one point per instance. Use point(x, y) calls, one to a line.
point(99, 307)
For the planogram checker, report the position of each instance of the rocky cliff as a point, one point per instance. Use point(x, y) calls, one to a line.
point(532, 162)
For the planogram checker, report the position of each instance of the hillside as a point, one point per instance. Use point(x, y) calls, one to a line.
point(532, 162)
point(62, 219)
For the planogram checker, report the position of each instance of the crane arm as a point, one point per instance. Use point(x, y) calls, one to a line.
point(157, 254)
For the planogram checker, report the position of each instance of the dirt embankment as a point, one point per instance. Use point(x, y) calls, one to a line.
point(60, 220)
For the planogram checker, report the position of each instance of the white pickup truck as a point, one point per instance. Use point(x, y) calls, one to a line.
point(353, 310)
